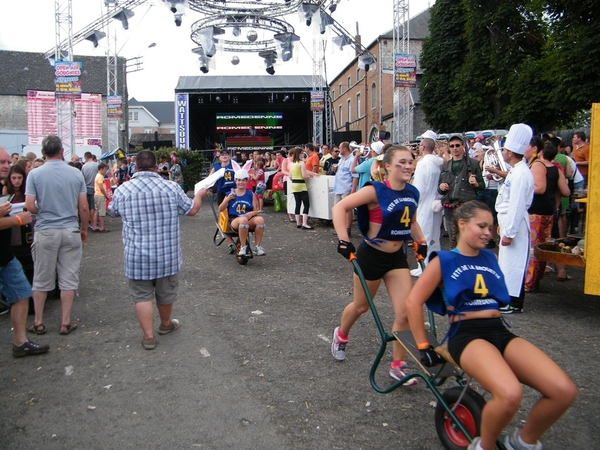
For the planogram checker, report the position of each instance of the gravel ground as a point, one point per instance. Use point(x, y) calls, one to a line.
point(251, 366)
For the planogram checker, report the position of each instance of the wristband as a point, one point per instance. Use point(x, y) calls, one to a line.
point(423, 346)
point(19, 220)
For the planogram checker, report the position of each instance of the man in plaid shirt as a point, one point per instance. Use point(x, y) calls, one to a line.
point(150, 207)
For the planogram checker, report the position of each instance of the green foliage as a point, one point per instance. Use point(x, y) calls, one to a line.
point(443, 54)
point(489, 64)
point(191, 162)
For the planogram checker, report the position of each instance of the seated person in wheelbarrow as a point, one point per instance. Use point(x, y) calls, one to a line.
point(478, 340)
point(242, 207)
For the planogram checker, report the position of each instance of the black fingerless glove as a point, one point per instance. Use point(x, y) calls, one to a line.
point(345, 248)
point(422, 250)
point(430, 358)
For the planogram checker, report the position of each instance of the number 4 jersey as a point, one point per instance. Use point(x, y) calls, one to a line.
point(472, 283)
point(397, 209)
point(240, 205)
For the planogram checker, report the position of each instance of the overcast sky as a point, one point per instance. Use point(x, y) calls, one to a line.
point(28, 25)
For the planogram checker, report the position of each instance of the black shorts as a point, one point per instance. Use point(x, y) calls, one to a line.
point(490, 330)
point(375, 263)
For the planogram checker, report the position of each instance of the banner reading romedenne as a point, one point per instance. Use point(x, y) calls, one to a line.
point(182, 121)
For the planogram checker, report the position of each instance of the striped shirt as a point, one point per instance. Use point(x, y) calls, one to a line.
point(150, 207)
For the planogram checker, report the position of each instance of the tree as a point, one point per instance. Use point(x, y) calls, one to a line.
point(443, 54)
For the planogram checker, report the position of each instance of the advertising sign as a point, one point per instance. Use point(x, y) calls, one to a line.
point(405, 70)
point(182, 121)
point(67, 78)
point(317, 101)
point(114, 106)
point(42, 117)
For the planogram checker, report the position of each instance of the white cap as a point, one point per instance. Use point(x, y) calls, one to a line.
point(377, 147)
point(241, 174)
point(429, 134)
point(518, 138)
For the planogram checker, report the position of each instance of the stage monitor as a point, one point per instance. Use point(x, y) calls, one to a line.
point(249, 130)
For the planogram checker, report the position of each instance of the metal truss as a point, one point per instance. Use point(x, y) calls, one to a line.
point(402, 103)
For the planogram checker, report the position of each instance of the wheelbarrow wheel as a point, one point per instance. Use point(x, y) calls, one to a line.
point(468, 412)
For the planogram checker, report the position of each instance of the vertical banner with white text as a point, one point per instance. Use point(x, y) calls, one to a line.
point(182, 122)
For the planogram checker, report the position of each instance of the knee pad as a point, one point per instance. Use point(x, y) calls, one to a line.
point(260, 227)
point(244, 225)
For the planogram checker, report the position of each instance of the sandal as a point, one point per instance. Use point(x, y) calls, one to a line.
point(166, 330)
point(38, 328)
point(67, 328)
point(565, 278)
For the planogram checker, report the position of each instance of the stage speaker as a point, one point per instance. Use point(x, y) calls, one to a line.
point(341, 136)
point(384, 135)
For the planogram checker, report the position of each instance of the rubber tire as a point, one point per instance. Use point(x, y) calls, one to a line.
point(241, 260)
point(468, 412)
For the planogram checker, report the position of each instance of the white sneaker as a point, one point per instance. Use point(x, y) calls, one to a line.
point(259, 251)
point(338, 347)
point(416, 272)
point(243, 250)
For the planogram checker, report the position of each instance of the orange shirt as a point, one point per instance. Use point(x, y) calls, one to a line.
point(582, 153)
point(312, 161)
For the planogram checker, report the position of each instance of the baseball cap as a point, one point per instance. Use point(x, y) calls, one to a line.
point(224, 151)
point(241, 174)
point(377, 147)
point(457, 136)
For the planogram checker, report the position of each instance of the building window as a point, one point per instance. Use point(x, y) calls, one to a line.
point(133, 116)
point(341, 117)
point(358, 106)
point(349, 114)
point(147, 130)
point(349, 82)
point(340, 90)
point(357, 74)
point(373, 96)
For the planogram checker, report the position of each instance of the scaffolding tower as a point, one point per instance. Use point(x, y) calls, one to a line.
point(63, 51)
point(402, 104)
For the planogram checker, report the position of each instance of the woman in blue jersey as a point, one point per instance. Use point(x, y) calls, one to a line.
point(473, 290)
point(386, 219)
point(242, 207)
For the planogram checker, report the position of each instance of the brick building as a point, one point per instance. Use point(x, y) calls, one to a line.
point(364, 101)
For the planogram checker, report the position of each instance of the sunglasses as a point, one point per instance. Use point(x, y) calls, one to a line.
point(455, 145)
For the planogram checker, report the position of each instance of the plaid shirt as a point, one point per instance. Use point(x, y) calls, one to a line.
point(150, 207)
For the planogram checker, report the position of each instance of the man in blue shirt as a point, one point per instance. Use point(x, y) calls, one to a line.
point(150, 207)
point(342, 186)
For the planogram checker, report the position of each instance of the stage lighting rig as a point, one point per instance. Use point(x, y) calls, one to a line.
point(308, 10)
point(270, 57)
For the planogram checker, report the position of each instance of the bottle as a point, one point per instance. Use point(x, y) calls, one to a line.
point(26, 233)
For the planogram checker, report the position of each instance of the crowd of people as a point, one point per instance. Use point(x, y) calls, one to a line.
point(506, 192)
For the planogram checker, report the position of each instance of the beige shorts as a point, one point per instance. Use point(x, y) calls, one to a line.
point(163, 289)
point(100, 205)
point(56, 253)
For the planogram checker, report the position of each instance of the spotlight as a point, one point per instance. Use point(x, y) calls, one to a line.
point(332, 8)
point(341, 41)
point(178, 19)
point(202, 59)
point(236, 31)
point(270, 56)
point(365, 61)
point(94, 36)
point(287, 39)
point(123, 16)
point(218, 99)
point(286, 98)
point(326, 19)
point(307, 10)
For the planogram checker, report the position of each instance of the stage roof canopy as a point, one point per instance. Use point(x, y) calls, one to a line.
point(290, 83)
